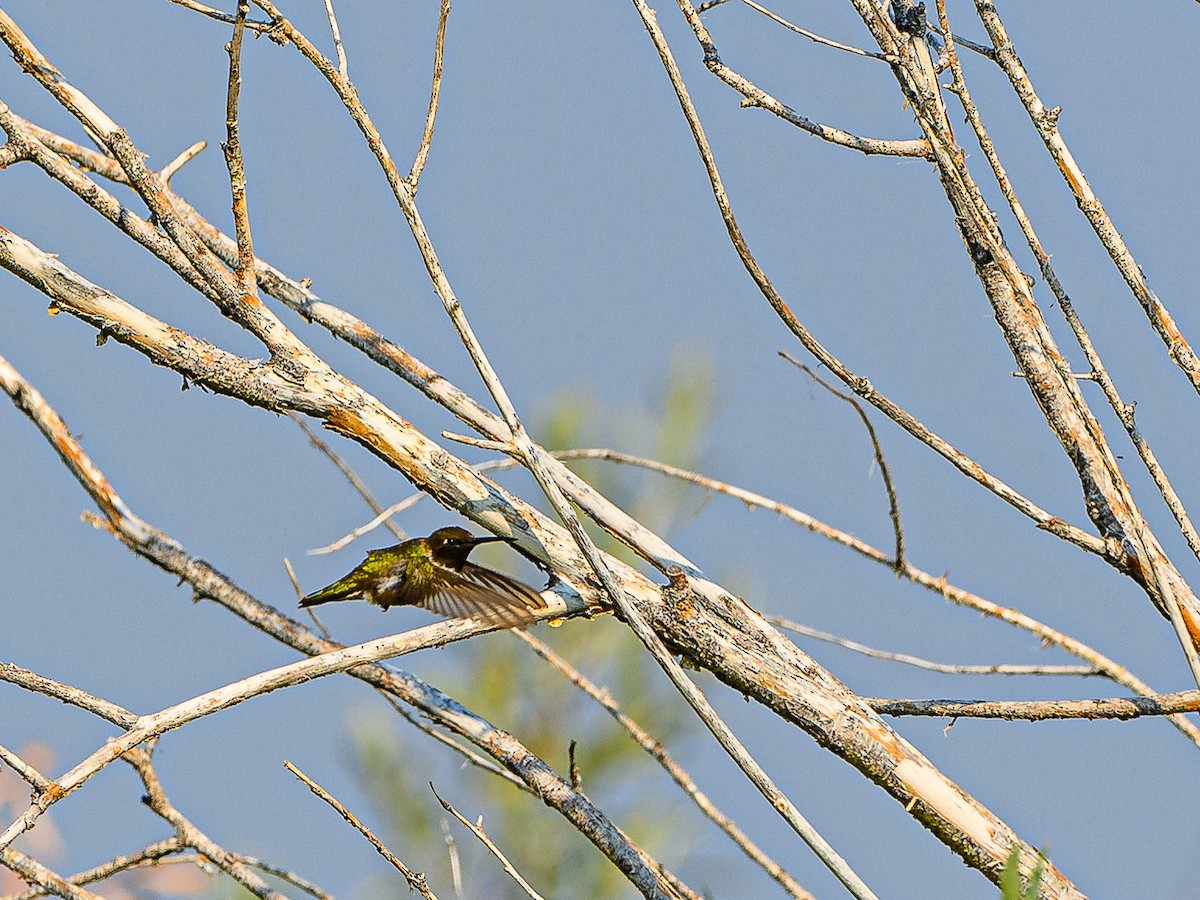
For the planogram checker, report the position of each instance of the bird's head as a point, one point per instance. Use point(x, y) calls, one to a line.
point(454, 544)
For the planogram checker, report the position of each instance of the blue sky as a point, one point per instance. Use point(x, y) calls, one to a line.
point(568, 204)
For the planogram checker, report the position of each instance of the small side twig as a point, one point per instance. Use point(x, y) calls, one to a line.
point(357, 483)
point(815, 38)
point(477, 830)
point(233, 157)
point(928, 664)
point(416, 880)
point(168, 171)
point(31, 776)
point(219, 16)
point(435, 92)
point(888, 484)
point(337, 40)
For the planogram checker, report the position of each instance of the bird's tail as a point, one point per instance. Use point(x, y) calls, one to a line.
point(331, 594)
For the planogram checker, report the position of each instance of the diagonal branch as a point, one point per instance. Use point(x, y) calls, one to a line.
point(645, 873)
point(1046, 123)
point(1107, 498)
point(416, 880)
point(1099, 372)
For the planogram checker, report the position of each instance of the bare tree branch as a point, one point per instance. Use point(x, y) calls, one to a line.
point(416, 880)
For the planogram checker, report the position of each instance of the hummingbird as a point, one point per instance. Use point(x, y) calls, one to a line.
point(433, 573)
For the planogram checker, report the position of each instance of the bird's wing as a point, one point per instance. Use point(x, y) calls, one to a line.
point(482, 594)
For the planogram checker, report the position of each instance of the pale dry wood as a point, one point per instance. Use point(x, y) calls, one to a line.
point(647, 874)
point(390, 432)
point(114, 866)
point(1099, 373)
point(1045, 710)
point(435, 93)
point(804, 32)
point(734, 655)
point(1045, 121)
point(228, 862)
point(34, 872)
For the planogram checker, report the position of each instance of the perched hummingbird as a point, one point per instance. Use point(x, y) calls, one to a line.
point(433, 573)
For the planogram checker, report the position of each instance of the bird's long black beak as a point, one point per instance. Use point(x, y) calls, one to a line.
point(475, 542)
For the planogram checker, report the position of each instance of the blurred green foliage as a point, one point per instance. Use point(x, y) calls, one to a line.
point(1010, 878)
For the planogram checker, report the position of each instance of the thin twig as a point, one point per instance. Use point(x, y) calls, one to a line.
point(233, 158)
point(928, 664)
point(416, 880)
point(337, 39)
point(677, 772)
point(383, 518)
point(291, 877)
point(816, 38)
point(220, 16)
point(477, 830)
point(884, 471)
point(167, 172)
point(418, 166)
point(357, 483)
point(755, 96)
point(469, 755)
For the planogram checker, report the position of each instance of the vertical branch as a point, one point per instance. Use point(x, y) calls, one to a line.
point(233, 157)
point(343, 66)
point(418, 166)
